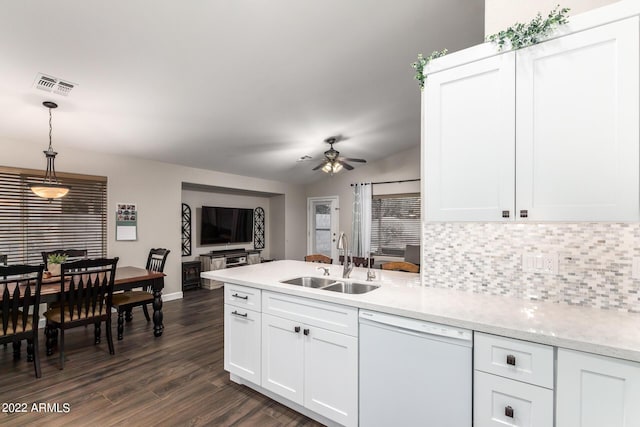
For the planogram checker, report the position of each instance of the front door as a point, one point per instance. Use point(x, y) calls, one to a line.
point(322, 226)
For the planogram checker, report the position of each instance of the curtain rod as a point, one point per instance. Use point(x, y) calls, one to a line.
point(389, 182)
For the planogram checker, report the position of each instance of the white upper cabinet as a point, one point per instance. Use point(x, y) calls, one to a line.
point(470, 129)
point(546, 133)
point(577, 126)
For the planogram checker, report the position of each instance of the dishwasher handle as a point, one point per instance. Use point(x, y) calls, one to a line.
point(416, 326)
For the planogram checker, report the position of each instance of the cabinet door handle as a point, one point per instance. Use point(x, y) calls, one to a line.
point(524, 213)
point(235, 313)
point(297, 329)
point(505, 214)
point(240, 296)
point(305, 331)
point(508, 411)
point(511, 360)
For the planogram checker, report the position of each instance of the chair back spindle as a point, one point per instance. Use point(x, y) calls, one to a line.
point(157, 259)
point(86, 288)
point(20, 287)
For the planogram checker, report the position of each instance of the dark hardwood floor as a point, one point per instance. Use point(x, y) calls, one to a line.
point(177, 379)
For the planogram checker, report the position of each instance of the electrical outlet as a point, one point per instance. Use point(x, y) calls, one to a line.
point(542, 263)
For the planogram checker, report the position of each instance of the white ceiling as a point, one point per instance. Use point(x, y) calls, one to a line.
point(238, 86)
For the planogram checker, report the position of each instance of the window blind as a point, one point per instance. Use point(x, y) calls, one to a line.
point(395, 223)
point(30, 224)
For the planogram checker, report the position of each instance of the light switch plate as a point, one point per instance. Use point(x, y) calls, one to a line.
point(541, 263)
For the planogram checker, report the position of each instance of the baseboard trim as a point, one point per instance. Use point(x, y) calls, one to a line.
point(172, 296)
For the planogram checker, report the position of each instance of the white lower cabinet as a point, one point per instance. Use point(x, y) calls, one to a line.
point(308, 364)
point(513, 382)
point(242, 334)
point(283, 357)
point(595, 391)
point(331, 375)
point(500, 401)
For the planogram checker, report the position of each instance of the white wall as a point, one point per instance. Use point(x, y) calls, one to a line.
point(277, 248)
point(500, 14)
point(196, 199)
point(400, 166)
point(157, 189)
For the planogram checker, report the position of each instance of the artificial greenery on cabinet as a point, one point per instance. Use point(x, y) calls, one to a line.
point(516, 37)
point(522, 35)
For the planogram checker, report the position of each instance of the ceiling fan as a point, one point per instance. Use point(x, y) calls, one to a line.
point(333, 163)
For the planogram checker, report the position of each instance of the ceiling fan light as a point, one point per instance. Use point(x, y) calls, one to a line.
point(337, 167)
point(327, 168)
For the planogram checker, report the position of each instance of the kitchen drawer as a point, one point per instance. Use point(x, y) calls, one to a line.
point(499, 401)
point(242, 296)
point(520, 360)
point(334, 317)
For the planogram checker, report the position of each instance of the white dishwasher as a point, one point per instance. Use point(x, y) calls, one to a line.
point(414, 373)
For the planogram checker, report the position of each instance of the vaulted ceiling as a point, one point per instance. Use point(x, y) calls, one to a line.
point(238, 86)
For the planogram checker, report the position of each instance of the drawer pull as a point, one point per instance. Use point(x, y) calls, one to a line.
point(505, 214)
point(297, 329)
point(511, 360)
point(306, 332)
point(241, 297)
point(235, 313)
point(508, 411)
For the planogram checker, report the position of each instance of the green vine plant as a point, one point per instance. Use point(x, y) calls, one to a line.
point(56, 258)
point(422, 62)
point(523, 35)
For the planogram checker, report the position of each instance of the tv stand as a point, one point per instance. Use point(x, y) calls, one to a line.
point(226, 258)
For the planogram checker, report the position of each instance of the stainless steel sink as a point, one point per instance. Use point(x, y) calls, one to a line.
point(351, 288)
point(310, 282)
point(332, 285)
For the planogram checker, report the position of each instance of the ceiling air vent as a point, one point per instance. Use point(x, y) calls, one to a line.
point(53, 84)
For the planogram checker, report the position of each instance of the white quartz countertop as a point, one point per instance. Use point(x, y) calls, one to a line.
point(605, 332)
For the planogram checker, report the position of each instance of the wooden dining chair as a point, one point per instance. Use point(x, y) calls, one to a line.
point(86, 292)
point(125, 301)
point(401, 266)
point(19, 309)
point(318, 258)
point(358, 261)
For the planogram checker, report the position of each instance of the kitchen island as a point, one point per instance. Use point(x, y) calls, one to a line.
point(604, 332)
point(539, 357)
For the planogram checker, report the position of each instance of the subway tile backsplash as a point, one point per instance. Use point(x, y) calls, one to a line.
point(594, 268)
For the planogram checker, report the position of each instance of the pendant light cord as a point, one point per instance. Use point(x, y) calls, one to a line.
point(50, 129)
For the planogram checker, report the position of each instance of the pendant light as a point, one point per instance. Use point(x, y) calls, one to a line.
point(50, 188)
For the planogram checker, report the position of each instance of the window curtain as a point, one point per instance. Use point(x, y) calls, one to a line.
point(361, 219)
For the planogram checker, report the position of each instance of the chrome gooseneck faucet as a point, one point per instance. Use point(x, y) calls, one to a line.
point(343, 245)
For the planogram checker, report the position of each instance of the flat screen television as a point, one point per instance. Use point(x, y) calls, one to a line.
point(225, 225)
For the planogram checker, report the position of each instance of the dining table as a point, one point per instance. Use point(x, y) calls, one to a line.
point(127, 278)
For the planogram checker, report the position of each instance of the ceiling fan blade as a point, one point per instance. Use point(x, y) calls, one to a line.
point(319, 166)
point(355, 160)
point(346, 165)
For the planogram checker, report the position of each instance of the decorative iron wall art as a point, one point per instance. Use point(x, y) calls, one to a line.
point(186, 230)
point(258, 228)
